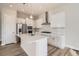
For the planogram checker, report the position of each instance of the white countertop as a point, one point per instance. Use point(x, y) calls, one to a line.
point(29, 38)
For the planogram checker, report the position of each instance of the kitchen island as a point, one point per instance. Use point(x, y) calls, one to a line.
point(34, 45)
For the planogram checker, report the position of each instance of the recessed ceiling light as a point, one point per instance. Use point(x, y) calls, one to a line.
point(26, 4)
point(31, 16)
point(11, 5)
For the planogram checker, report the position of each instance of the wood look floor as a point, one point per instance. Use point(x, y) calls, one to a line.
point(16, 50)
point(54, 51)
point(12, 50)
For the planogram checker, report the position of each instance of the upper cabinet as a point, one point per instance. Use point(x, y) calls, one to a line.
point(57, 19)
point(29, 22)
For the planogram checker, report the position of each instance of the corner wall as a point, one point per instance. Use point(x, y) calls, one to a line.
point(72, 25)
point(0, 25)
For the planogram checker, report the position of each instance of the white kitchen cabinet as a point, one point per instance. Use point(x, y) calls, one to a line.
point(29, 22)
point(34, 45)
point(58, 41)
point(57, 19)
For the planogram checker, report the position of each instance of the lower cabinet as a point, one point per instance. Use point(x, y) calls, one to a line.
point(58, 41)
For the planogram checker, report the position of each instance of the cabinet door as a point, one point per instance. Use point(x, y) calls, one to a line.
point(29, 22)
point(58, 19)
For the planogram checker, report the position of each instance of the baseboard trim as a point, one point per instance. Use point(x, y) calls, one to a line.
point(2, 44)
point(69, 46)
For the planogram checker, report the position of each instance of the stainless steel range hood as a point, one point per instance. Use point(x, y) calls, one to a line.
point(46, 19)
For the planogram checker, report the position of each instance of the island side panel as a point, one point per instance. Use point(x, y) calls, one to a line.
point(41, 47)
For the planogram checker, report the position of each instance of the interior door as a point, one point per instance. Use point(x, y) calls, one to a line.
point(10, 29)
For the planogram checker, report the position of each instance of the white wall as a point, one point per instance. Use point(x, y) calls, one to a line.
point(72, 26)
point(72, 22)
point(8, 17)
point(40, 20)
point(38, 23)
point(0, 25)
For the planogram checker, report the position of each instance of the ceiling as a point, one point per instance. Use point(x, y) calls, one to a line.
point(31, 8)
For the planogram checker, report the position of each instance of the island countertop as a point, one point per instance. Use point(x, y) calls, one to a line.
point(34, 45)
point(32, 38)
